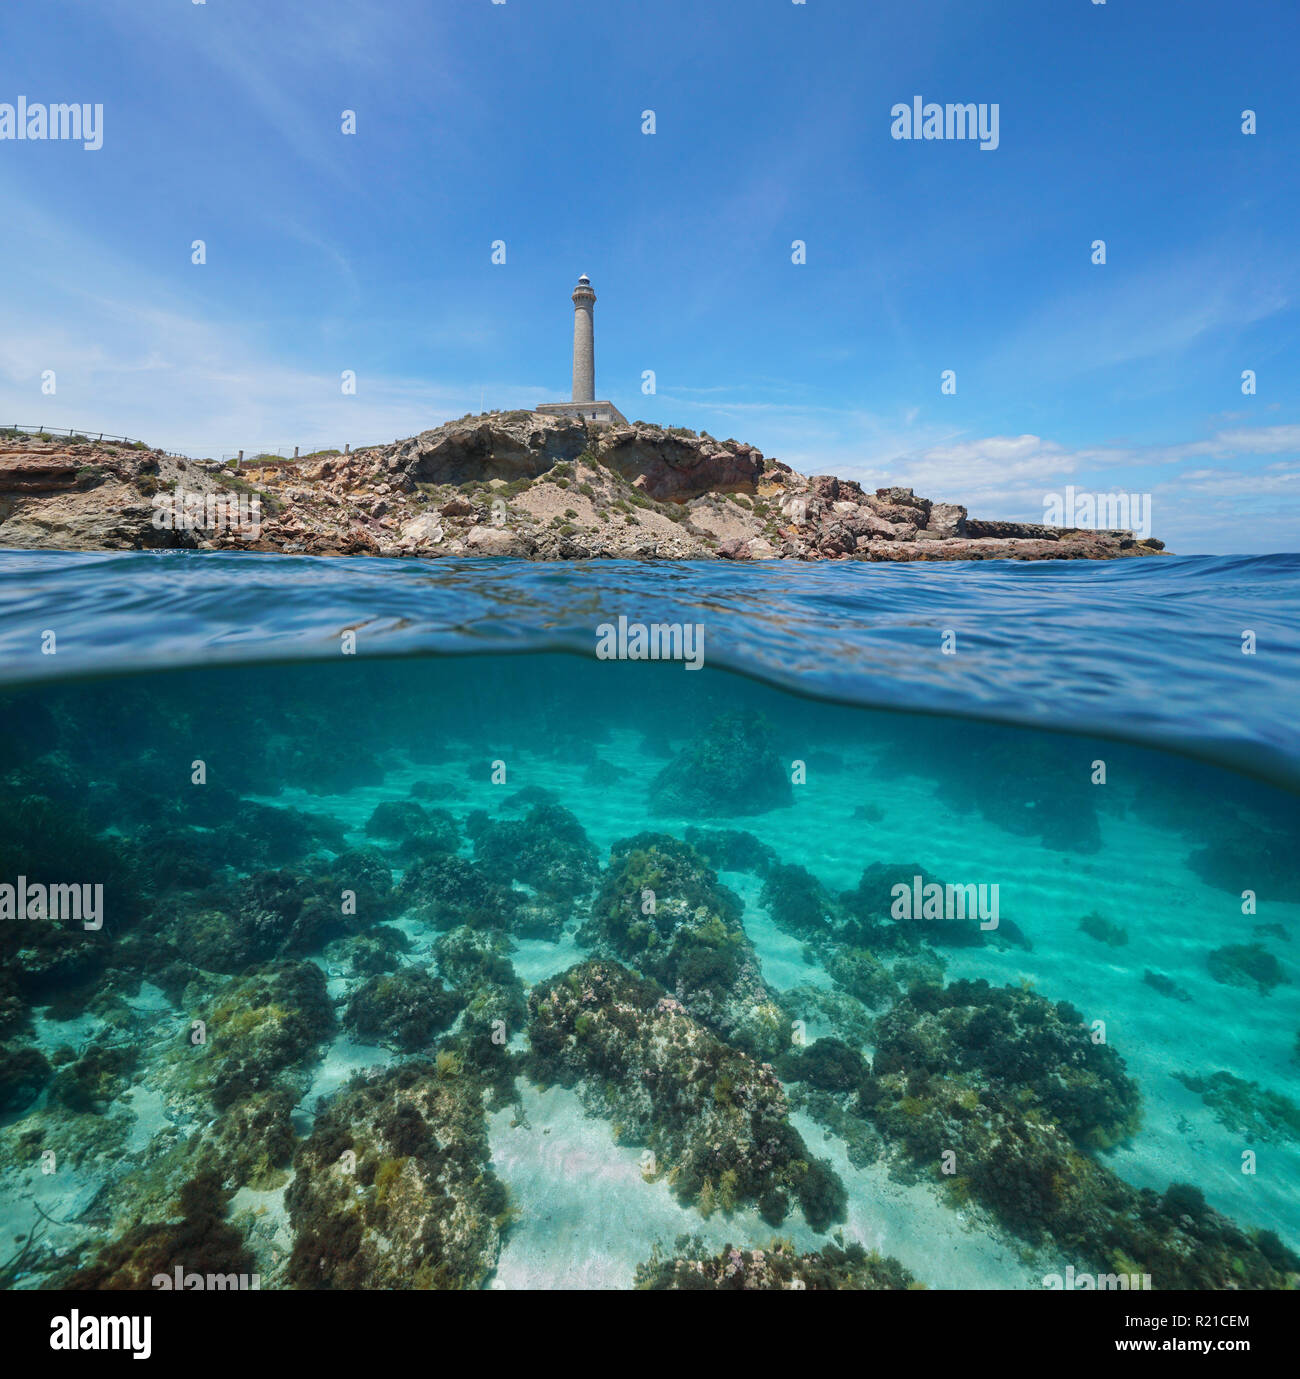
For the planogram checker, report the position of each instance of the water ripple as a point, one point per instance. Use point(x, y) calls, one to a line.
point(1147, 650)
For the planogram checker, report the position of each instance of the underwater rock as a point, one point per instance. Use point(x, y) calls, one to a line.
point(732, 849)
point(332, 761)
point(661, 908)
point(715, 1119)
point(1260, 855)
point(413, 828)
point(394, 1188)
point(50, 844)
point(252, 1142)
point(1028, 785)
point(602, 772)
point(366, 873)
point(1017, 1161)
point(548, 849)
point(402, 1010)
point(1246, 1108)
point(879, 918)
point(444, 891)
point(15, 1015)
point(379, 949)
point(212, 826)
point(277, 914)
point(797, 901)
point(1019, 1041)
point(470, 957)
point(870, 904)
point(200, 1243)
point(23, 1075)
point(863, 975)
point(1166, 986)
point(733, 769)
point(258, 1026)
point(476, 962)
point(94, 1080)
point(846, 1016)
point(395, 819)
point(1103, 930)
point(778, 1266)
point(271, 835)
point(827, 1064)
point(1246, 964)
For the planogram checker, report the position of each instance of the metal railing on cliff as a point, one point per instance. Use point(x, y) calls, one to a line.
point(262, 459)
point(88, 437)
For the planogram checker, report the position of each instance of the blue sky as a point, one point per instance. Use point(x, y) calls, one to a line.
point(522, 122)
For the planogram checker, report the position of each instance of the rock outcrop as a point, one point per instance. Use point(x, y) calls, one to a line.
point(515, 484)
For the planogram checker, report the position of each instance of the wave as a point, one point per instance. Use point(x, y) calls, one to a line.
point(1149, 651)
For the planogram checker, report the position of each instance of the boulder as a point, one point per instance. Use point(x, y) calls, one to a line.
point(946, 520)
point(424, 530)
point(495, 541)
point(917, 513)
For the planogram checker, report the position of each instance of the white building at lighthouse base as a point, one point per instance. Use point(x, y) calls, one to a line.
point(598, 413)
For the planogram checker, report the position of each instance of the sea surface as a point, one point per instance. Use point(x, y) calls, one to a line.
point(223, 742)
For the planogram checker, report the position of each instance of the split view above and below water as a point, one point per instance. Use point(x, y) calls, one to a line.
point(549, 850)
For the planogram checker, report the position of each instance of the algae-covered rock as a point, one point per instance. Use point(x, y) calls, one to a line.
point(477, 963)
point(394, 1187)
point(403, 1009)
point(445, 892)
point(23, 1074)
point(413, 828)
point(1019, 1041)
point(661, 908)
point(732, 769)
point(715, 1119)
point(830, 1065)
point(276, 914)
point(271, 1021)
point(199, 1243)
point(691, 1267)
point(548, 849)
point(1246, 964)
point(1252, 1111)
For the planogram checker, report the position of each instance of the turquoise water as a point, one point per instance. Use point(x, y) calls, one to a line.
point(459, 957)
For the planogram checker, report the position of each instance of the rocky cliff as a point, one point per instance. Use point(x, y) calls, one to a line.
point(518, 484)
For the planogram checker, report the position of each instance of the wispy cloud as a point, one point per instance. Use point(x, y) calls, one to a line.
point(1177, 301)
point(199, 389)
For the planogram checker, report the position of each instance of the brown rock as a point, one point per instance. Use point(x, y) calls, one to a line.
point(676, 467)
point(946, 520)
point(496, 541)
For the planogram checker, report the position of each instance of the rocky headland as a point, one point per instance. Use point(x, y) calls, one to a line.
point(519, 484)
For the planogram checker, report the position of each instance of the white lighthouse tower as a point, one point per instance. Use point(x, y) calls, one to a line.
point(584, 402)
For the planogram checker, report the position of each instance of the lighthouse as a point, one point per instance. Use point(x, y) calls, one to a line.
point(584, 341)
point(584, 404)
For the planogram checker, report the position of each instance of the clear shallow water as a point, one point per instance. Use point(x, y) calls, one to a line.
point(204, 888)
